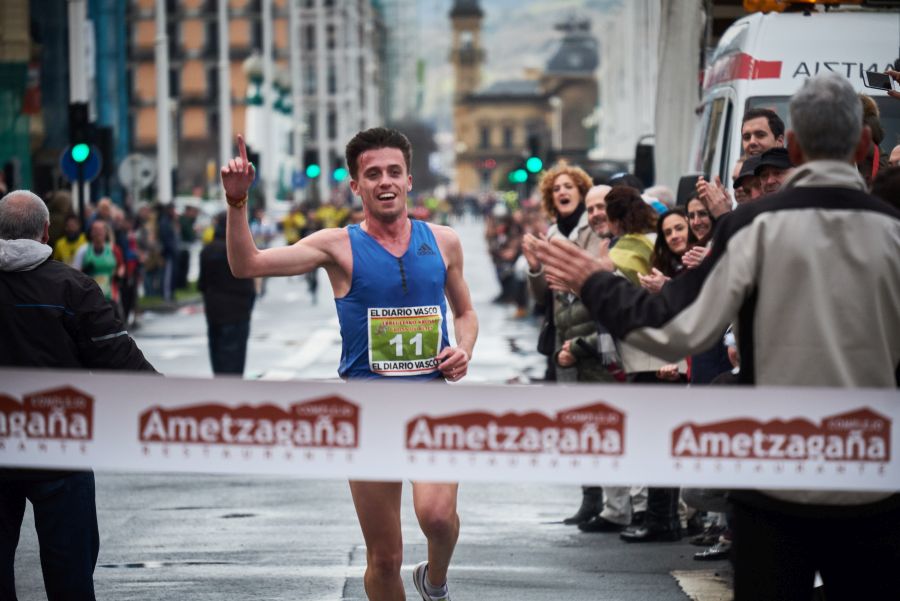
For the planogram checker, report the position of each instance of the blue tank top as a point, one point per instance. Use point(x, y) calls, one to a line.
point(393, 319)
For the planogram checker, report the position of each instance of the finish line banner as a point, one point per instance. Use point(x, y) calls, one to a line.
point(798, 438)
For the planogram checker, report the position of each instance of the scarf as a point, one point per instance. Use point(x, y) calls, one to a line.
point(566, 224)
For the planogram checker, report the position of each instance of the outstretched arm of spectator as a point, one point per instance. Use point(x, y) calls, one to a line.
point(567, 267)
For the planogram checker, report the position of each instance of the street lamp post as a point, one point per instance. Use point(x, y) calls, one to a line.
point(297, 114)
point(225, 130)
point(163, 123)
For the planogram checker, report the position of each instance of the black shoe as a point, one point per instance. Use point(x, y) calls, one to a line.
point(708, 537)
point(720, 550)
point(646, 534)
point(638, 518)
point(591, 504)
point(599, 524)
point(695, 525)
point(581, 517)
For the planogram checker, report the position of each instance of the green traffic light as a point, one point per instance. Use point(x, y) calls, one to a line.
point(313, 171)
point(534, 164)
point(340, 174)
point(80, 152)
point(520, 176)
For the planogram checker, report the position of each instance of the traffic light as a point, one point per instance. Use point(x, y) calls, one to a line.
point(340, 172)
point(79, 132)
point(534, 163)
point(518, 176)
point(310, 160)
point(107, 151)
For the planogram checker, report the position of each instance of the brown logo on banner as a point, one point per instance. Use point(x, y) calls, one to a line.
point(596, 429)
point(861, 435)
point(328, 422)
point(63, 413)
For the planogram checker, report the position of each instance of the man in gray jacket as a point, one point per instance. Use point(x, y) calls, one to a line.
point(811, 276)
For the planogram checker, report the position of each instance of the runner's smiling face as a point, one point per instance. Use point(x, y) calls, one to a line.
point(382, 183)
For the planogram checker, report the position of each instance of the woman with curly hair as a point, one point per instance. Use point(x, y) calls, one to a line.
point(563, 188)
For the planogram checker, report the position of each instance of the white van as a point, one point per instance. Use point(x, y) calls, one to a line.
point(762, 59)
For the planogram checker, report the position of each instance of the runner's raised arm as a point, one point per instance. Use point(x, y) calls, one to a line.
point(244, 258)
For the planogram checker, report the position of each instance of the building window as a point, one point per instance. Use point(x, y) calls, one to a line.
point(507, 137)
point(212, 84)
point(485, 141)
point(312, 131)
point(309, 80)
point(174, 88)
point(332, 125)
point(310, 37)
point(212, 121)
point(332, 80)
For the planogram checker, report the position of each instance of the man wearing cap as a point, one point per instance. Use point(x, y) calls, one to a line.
point(773, 168)
point(747, 182)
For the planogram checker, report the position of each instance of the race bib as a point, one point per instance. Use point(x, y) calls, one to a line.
point(404, 341)
point(105, 284)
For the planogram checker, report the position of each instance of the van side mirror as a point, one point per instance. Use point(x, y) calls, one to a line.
point(686, 186)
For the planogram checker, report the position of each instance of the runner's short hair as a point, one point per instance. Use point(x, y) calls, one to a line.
point(372, 139)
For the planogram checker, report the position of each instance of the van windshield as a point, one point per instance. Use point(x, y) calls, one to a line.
point(887, 106)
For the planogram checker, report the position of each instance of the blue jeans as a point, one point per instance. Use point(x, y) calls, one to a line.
point(65, 517)
point(228, 347)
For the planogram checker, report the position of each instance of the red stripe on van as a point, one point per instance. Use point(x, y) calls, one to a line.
point(741, 66)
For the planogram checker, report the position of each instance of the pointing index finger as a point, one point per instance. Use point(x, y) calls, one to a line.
point(242, 148)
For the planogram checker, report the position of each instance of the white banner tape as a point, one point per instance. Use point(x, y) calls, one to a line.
point(797, 438)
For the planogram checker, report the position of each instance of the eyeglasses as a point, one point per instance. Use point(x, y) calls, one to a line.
point(699, 214)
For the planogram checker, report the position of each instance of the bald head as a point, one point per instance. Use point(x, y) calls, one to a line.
point(23, 215)
point(595, 204)
point(895, 156)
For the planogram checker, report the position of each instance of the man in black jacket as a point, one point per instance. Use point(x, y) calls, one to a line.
point(52, 315)
point(228, 302)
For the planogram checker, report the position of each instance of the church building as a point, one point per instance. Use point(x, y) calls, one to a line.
point(497, 127)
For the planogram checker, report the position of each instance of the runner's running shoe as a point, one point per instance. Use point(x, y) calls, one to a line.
point(419, 580)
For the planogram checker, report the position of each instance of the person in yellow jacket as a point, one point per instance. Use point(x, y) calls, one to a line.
point(72, 239)
point(293, 225)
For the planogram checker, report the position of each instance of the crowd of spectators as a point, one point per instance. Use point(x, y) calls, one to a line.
point(813, 168)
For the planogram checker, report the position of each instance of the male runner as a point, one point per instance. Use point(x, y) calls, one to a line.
point(386, 267)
